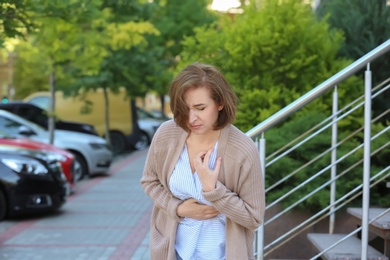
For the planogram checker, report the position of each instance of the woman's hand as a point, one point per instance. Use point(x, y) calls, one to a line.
point(191, 208)
point(207, 176)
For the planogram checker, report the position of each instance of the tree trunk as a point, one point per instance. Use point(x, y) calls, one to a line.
point(106, 116)
point(51, 122)
point(162, 100)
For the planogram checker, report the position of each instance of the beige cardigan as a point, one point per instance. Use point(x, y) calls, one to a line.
point(239, 193)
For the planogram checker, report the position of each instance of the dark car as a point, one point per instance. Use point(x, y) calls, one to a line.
point(70, 166)
point(39, 116)
point(30, 182)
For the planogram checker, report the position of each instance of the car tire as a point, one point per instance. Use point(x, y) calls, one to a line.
point(3, 206)
point(118, 142)
point(142, 142)
point(79, 175)
point(77, 171)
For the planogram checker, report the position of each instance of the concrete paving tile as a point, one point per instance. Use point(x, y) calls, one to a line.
point(66, 253)
point(68, 237)
point(107, 218)
point(81, 219)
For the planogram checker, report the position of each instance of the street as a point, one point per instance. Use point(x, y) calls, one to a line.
point(106, 218)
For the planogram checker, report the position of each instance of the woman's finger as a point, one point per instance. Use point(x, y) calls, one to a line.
point(207, 156)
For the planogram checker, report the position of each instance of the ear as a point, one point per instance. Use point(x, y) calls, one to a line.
point(220, 107)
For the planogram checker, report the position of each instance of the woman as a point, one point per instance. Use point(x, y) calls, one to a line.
point(203, 174)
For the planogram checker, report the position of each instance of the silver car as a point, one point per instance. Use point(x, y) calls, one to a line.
point(148, 125)
point(92, 152)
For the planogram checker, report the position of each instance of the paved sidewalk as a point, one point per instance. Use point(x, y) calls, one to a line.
point(107, 218)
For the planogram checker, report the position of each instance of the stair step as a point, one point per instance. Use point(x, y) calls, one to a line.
point(348, 249)
point(382, 223)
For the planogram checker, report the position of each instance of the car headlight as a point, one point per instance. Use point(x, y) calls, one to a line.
point(56, 156)
point(26, 166)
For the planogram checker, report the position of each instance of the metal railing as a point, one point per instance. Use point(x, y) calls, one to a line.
point(337, 115)
point(319, 90)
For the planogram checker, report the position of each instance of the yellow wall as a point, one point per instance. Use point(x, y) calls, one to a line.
point(71, 109)
point(151, 101)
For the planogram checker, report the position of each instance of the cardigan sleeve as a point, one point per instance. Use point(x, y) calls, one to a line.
point(155, 187)
point(245, 204)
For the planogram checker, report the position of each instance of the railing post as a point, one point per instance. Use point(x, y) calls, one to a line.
point(333, 161)
point(260, 230)
point(367, 161)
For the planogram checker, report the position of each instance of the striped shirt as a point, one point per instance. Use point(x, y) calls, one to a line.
point(196, 239)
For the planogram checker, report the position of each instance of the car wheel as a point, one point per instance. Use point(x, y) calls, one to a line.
point(3, 206)
point(143, 142)
point(77, 171)
point(83, 167)
point(118, 142)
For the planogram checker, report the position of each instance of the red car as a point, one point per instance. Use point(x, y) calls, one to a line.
point(67, 159)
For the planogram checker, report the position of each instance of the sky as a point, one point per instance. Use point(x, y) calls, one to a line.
point(224, 5)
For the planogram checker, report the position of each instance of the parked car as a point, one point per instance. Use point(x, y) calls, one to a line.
point(148, 125)
point(123, 128)
point(159, 115)
point(91, 152)
point(40, 117)
point(70, 166)
point(30, 182)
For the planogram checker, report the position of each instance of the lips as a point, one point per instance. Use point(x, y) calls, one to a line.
point(195, 126)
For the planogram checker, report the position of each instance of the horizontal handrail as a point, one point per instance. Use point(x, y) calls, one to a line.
point(319, 90)
point(327, 125)
point(280, 150)
point(284, 179)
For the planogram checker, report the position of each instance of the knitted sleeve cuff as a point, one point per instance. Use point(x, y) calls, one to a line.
point(216, 194)
point(172, 207)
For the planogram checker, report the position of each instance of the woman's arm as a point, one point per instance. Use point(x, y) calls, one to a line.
point(154, 188)
point(246, 205)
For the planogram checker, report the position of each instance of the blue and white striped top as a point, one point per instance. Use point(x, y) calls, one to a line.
point(196, 239)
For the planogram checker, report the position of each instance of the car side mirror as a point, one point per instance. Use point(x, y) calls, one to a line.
point(24, 130)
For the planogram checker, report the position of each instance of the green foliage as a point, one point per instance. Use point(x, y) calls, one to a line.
point(127, 66)
point(14, 19)
point(68, 36)
point(32, 70)
point(315, 154)
point(355, 18)
point(175, 19)
point(86, 48)
point(381, 159)
point(365, 25)
point(271, 55)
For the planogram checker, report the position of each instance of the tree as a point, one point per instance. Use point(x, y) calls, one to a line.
point(355, 18)
point(68, 33)
point(15, 20)
point(120, 66)
point(76, 46)
point(175, 20)
point(365, 25)
point(31, 70)
point(271, 55)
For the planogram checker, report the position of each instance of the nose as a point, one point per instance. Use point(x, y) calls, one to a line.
point(192, 116)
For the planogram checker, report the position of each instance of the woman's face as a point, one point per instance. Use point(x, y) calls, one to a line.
point(203, 111)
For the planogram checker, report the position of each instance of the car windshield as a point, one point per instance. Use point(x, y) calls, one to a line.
point(12, 127)
point(143, 114)
point(4, 135)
